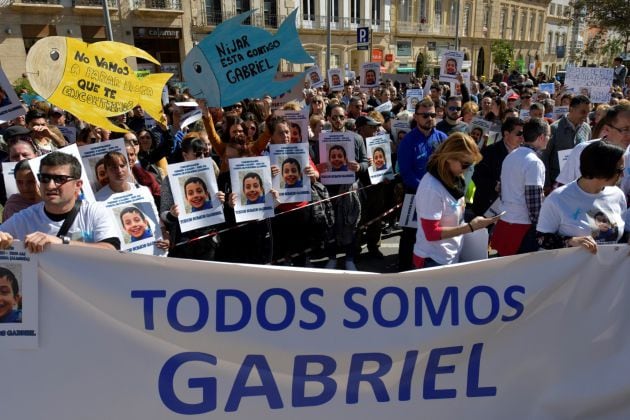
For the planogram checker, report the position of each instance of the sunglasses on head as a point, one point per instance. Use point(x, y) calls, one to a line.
point(59, 180)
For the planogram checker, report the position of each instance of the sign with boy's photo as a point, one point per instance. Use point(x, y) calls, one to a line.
point(380, 150)
point(298, 124)
point(10, 105)
point(413, 97)
point(335, 80)
point(450, 65)
point(251, 182)
point(136, 217)
point(292, 184)
point(194, 188)
point(370, 75)
point(400, 129)
point(478, 129)
point(19, 303)
point(336, 149)
point(92, 159)
point(8, 174)
point(314, 77)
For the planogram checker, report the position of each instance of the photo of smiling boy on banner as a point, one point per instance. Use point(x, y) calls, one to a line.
point(291, 160)
point(251, 182)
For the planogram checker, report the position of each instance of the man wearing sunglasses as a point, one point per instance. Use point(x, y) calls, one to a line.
point(453, 111)
point(413, 155)
point(39, 225)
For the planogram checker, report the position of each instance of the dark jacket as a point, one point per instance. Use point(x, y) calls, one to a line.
point(486, 176)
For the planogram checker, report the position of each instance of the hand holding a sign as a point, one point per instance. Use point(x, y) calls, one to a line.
point(6, 240)
point(354, 166)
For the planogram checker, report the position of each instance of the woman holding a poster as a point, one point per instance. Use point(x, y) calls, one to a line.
point(440, 203)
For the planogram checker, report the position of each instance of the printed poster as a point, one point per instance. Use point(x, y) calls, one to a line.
point(450, 65)
point(251, 182)
point(380, 150)
point(335, 80)
point(10, 105)
point(370, 75)
point(408, 215)
point(413, 97)
point(400, 130)
point(292, 184)
point(314, 77)
point(478, 128)
point(72, 149)
point(336, 149)
point(194, 188)
point(8, 174)
point(594, 82)
point(137, 220)
point(19, 302)
point(523, 114)
point(559, 112)
point(547, 87)
point(92, 159)
point(298, 123)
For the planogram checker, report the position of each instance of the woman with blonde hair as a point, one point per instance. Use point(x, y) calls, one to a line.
point(440, 203)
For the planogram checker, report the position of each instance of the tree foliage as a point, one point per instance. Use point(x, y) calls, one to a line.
point(611, 15)
point(502, 53)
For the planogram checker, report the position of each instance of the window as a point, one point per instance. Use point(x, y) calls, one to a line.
point(355, 11)
point(514, 23)
point(376, 12)
point(213, 12)
point(552, 9)
point(308, 10)
point(502, 19)
point(438, 12)
point(540, 26)
point(523, 24)
point(452, 14)
point(271, 15)
point(487, 12)
point(466, 22)
point(334, 15)
point(405, 10)
point(422, 11)
point(563, 40)
point(241, 7)
point(550, 43)
point(532, 27)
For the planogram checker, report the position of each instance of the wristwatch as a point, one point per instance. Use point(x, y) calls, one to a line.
point(65, 240)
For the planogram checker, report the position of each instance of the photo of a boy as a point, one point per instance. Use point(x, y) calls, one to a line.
point(451, 66)
point(253, 190)
point(135, 224)
point(197, 195)
point(10, 298)
point(291, 173)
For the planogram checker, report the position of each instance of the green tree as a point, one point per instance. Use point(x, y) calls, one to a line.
point(612, 48)
point(611, 15)
point(502, 54)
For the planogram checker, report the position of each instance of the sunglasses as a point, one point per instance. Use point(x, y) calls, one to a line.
point(426, 114)
point(518, 133)
point(134, 142)
point(238, 106)
point(317, 102)
point(59, 180)
point(454, 108)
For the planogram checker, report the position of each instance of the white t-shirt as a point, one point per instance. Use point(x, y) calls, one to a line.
point(571, 170)
point(434, 202)
point(570, 211)
point(104, 193)
point(92, 224)
point(520, 168)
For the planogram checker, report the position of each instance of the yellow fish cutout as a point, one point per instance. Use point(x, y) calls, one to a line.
point(93, 81)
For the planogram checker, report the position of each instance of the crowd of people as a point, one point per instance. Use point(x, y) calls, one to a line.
point(534, 179)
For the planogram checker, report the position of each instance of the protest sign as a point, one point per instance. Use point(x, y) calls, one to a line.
point(559, 112)
point(294, 94)
point(594, 82)
point(93, 81)
point(523, 114)
point(19, 301)
point(370, 75)
point(314, 77)
point(408, 216)
point(70, 133)
point(478, 129)
point(194, 188)
point(251, 182)
point(384, 107)
point(450, 65)
point(413, 97)
point(10, 105)
point(137, 220)
point(298, 123)
point(380, 150)
point(190, 117)
point(8, 174)
point(547, 87)
point(335, 80)
point(239, 61)
point(92, 159)
point(336, 149)
point(292, 184)
point(86, 188)
point(189, 337)
point(400, 130)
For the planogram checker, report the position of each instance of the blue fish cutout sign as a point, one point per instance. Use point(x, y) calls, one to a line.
point(238, 61)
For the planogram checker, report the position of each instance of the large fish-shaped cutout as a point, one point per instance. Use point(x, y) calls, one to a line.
point(93, 81)
point(237, 61)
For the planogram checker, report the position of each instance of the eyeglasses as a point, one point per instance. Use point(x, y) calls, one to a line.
point(134, 142)
point(317, 102)
point(518, 133)
point(59, 180)
point(337, 117)
point(426, 114)
point(465, 165)
point(238, 106)
point(454, 108)
point(624, 130)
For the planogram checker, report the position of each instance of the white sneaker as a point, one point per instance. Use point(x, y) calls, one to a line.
point(350, 266)
point(331, 264)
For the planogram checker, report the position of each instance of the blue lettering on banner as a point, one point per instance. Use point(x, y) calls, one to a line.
point(361, 371)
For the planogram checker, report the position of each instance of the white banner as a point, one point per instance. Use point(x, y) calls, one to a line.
point(539, 336)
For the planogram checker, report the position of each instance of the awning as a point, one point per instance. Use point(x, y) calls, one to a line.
point(405, 69)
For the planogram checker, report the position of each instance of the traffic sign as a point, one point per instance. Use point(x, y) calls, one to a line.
point(363, 38)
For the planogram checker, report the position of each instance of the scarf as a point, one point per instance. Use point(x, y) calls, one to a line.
point(460, 186)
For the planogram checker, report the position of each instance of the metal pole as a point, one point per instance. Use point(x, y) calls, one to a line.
point(457, 26)
point(328, 34)
point(108, 22)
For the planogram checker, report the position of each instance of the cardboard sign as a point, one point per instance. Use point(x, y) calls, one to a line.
point(10, 105)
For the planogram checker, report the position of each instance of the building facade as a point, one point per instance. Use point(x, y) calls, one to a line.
point(407, 35)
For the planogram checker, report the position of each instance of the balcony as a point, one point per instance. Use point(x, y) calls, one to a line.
point(315, 22)
point(429, 28)
point(37, 6)
point(93, 7)
point(158, 8)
